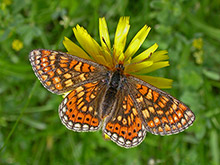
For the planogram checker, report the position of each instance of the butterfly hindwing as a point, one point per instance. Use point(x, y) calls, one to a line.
point(124, 125)
point(79, 111)
point(161, 113)
point(60, 72)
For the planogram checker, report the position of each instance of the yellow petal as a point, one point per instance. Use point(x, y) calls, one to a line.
point(158, 82)
point(132, 49)
point(105, 41)
point(137, 41)
point(108, 58)
point(139, 66)
point(88, 44)
point(159, 56)
point(121, 57)
point(65, 94)
point(127, 62)
point(145, 54)
point(101, 60)
point(104, 35)
point(74, 49)
point(106, 137)
point(121, 36)
point(154, 67)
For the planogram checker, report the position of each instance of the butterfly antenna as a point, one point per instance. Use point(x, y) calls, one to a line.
point(106, 44)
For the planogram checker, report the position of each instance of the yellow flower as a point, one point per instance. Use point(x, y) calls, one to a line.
point(7, 2)
point(4, 4)
point(198, 50)
point(136, 65)
point(17, 45)
point(198, 43)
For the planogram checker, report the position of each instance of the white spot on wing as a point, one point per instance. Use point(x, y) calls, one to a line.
point(140, 139)
point(85, 127)
point(70, 123)
point(77, 125)
point(128, 142)
point(64, 109)
point(121, 140)
point(37, 52)
point(140, 134)
point(134, 141)
point(65, 118)
point(114, 136)
point(108, 133)
point(61, 113)
point(65, 101)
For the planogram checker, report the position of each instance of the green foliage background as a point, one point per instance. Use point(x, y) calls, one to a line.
point(30, 128)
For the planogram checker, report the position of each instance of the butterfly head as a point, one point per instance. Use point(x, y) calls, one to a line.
point(119, 67)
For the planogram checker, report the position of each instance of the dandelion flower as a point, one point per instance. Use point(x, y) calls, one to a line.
point(137, 65)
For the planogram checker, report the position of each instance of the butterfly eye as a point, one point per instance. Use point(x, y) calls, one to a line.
point(107, 77)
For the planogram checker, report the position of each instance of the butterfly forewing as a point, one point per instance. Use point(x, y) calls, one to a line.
point(161, 113)
point(60, 72)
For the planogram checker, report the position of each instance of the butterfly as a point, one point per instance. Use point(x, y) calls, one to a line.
point(124, 106)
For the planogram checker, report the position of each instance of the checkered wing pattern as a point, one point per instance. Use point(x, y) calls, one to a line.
point(80, 109)
point(60, 72)
point(124, 125)
point(161, 113)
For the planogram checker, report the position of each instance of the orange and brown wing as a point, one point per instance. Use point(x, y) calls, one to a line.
point(162, 114)
point(60, 72)
point(124, 125)
point(79, 111)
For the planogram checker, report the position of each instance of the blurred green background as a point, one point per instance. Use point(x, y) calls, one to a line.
point(30, 129)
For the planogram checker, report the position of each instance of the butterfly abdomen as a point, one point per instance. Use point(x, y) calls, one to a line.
point(110, 95)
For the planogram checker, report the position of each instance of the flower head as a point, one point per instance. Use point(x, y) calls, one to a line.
point(17, 45)
point(136, 65)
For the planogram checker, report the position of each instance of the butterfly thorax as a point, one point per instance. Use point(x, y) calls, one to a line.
point(115, 82)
